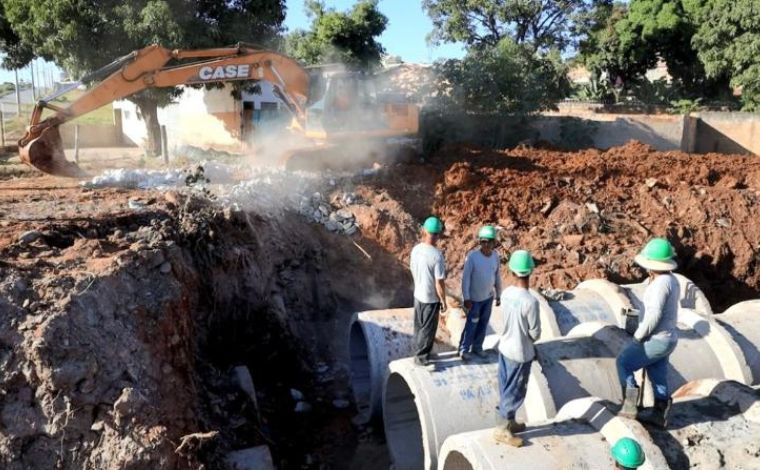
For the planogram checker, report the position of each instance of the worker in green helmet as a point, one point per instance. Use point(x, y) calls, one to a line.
point(627, 454)
point(522, 327)
point(655, 337)
point(481, 284)
point(429, 273)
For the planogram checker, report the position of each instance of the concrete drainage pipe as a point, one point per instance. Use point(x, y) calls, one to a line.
point(579, 437)
point(742, 322)
point(378, 337)
point(710, 420)
point(422, 408)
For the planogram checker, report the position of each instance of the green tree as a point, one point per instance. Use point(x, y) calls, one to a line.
point(349, 37)
point(626, 41)
point(542, 24)
point(15, 53)
point(603, 52)
point(728, 43)
point(84, 35)
point(507, 78)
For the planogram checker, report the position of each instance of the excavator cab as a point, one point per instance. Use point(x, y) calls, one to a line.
point(346, 107)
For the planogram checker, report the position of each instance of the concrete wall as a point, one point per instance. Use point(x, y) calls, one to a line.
point(663, 132)
point(727, 133)
point(96, 135)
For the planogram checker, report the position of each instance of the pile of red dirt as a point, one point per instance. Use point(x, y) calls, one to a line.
point(585, 214)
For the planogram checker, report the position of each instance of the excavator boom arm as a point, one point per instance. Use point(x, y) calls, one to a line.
point(147, 68)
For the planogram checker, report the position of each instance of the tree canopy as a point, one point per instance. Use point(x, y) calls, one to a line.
point(84, 35)
point(506, 78)
point(542, 24)
point(348, 37)
point(727, 41)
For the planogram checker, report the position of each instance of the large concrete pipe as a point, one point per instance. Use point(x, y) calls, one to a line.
point(579, 437)
point(422, 408)
point(742, 322)
point(713, 424)
point(378, 337)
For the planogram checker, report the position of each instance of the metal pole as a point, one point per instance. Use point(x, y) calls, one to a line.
point(76, 143)
point(164, 145)
point(2, 125)
point(18, 96)
point(34, 92)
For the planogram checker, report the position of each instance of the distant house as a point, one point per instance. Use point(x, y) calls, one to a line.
point(210, 118)
point(580, 75)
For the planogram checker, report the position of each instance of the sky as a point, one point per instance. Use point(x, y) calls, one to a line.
point(408, 25)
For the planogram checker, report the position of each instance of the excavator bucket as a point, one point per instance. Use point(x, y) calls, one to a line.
point(46, 154)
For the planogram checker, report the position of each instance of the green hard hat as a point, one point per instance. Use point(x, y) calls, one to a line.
point(657, 255)
point(628, 453)
point(487, 232)
point(521, 263)
point(433, 225)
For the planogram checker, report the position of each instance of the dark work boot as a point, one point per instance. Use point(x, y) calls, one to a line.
point(630, 402)
point(657, 415)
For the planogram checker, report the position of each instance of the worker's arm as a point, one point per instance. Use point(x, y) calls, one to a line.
point(534, 322)
point(466, 279)
point(440, 279)
point(497, 282)
point(654, 304)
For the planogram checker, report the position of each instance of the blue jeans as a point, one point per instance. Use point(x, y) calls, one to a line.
point(513, 383)
point(651, 355)
point(474, 332)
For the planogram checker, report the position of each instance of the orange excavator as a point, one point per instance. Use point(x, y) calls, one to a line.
point(331, 109)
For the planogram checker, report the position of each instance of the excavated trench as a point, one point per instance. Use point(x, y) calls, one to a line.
point(126, 340)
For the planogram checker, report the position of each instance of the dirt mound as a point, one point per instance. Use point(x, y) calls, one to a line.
point(585, 214)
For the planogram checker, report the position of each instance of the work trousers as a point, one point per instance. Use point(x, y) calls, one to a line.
point(425, 326)
point(651, 355)
point(475, 327)
point(513, 383)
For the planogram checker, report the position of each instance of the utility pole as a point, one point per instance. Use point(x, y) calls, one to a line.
point(34, 92)
point(18, 96)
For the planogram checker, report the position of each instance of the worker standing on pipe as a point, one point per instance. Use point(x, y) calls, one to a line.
point(522, 327)
point(429, 272)
point(656, 336)
point(480, 281)
point(628, 454)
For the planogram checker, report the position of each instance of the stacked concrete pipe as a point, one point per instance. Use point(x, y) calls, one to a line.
point(579, 437)
point(422, 408)
point(581, 434)
point(378, 337)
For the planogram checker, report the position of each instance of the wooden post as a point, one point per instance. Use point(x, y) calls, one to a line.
point(76, 143)
point(164, 145)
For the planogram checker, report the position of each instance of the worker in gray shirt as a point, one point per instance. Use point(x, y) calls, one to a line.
point(429, 273)
point(522, 327)
point(480, 281)
point(656, 336)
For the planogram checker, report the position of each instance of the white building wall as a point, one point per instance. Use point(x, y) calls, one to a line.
point(200, 117)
